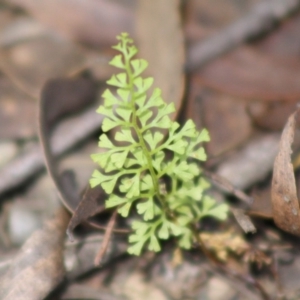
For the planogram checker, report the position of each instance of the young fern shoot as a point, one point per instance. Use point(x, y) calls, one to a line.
point(149, 166)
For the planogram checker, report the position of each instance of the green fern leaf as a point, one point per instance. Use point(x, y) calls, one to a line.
point(212, 209)
point(115, 200)
point(109, 99)
point(119, 80)
point(146, 209)
point(136, 249)
point(154, 244)
point(118, 159)
point(105, 142)
point(163, 232)
point(117, 62)
point(124, 210)
point(149, 165)
point(139, 66)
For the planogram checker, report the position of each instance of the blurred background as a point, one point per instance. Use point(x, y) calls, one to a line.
point(231, 66)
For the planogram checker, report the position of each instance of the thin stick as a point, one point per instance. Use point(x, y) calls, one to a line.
point(228, 187)
point(275, 273)
point(106, 238)
point(260, 20)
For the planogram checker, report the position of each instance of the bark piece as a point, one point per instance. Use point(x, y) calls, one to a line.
point(38, 268)
point(160, 41)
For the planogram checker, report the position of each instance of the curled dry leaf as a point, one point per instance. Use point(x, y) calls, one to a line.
point(51, 110)
point(77, 93)
point(89, 206)
point(284, 193)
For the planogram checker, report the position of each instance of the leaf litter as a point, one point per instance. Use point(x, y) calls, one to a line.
point(244, 184)
point(285, 201)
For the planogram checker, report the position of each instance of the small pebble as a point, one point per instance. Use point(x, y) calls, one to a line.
point(22, 222)
point(218, 289)
point(8, 150)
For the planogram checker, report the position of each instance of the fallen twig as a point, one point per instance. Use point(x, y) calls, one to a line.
point(252, 163)
point(225, 185)
point(106, 238)
point(260, 20)
point(67, 135)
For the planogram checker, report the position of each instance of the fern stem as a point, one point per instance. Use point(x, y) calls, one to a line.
point(141, 139)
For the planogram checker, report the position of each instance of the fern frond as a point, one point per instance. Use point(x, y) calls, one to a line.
point(133, 172)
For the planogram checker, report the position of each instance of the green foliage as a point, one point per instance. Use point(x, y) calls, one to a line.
point(149, 167)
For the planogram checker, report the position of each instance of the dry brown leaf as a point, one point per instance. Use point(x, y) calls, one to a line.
point(39, 267)
point(262, 204)
point(227, 121)
point(91, 203)
point(249, 73)
point(271, 116)
point(94, 22)
point(284, 41)
point(161, 43)
point(284, 193)
point(77, 93)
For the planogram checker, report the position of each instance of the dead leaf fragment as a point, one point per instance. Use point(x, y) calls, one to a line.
point(243, 220)
point(76, 93)
point(224, 243)
point(262, 203)
point(284, 193)
point(90, 204)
